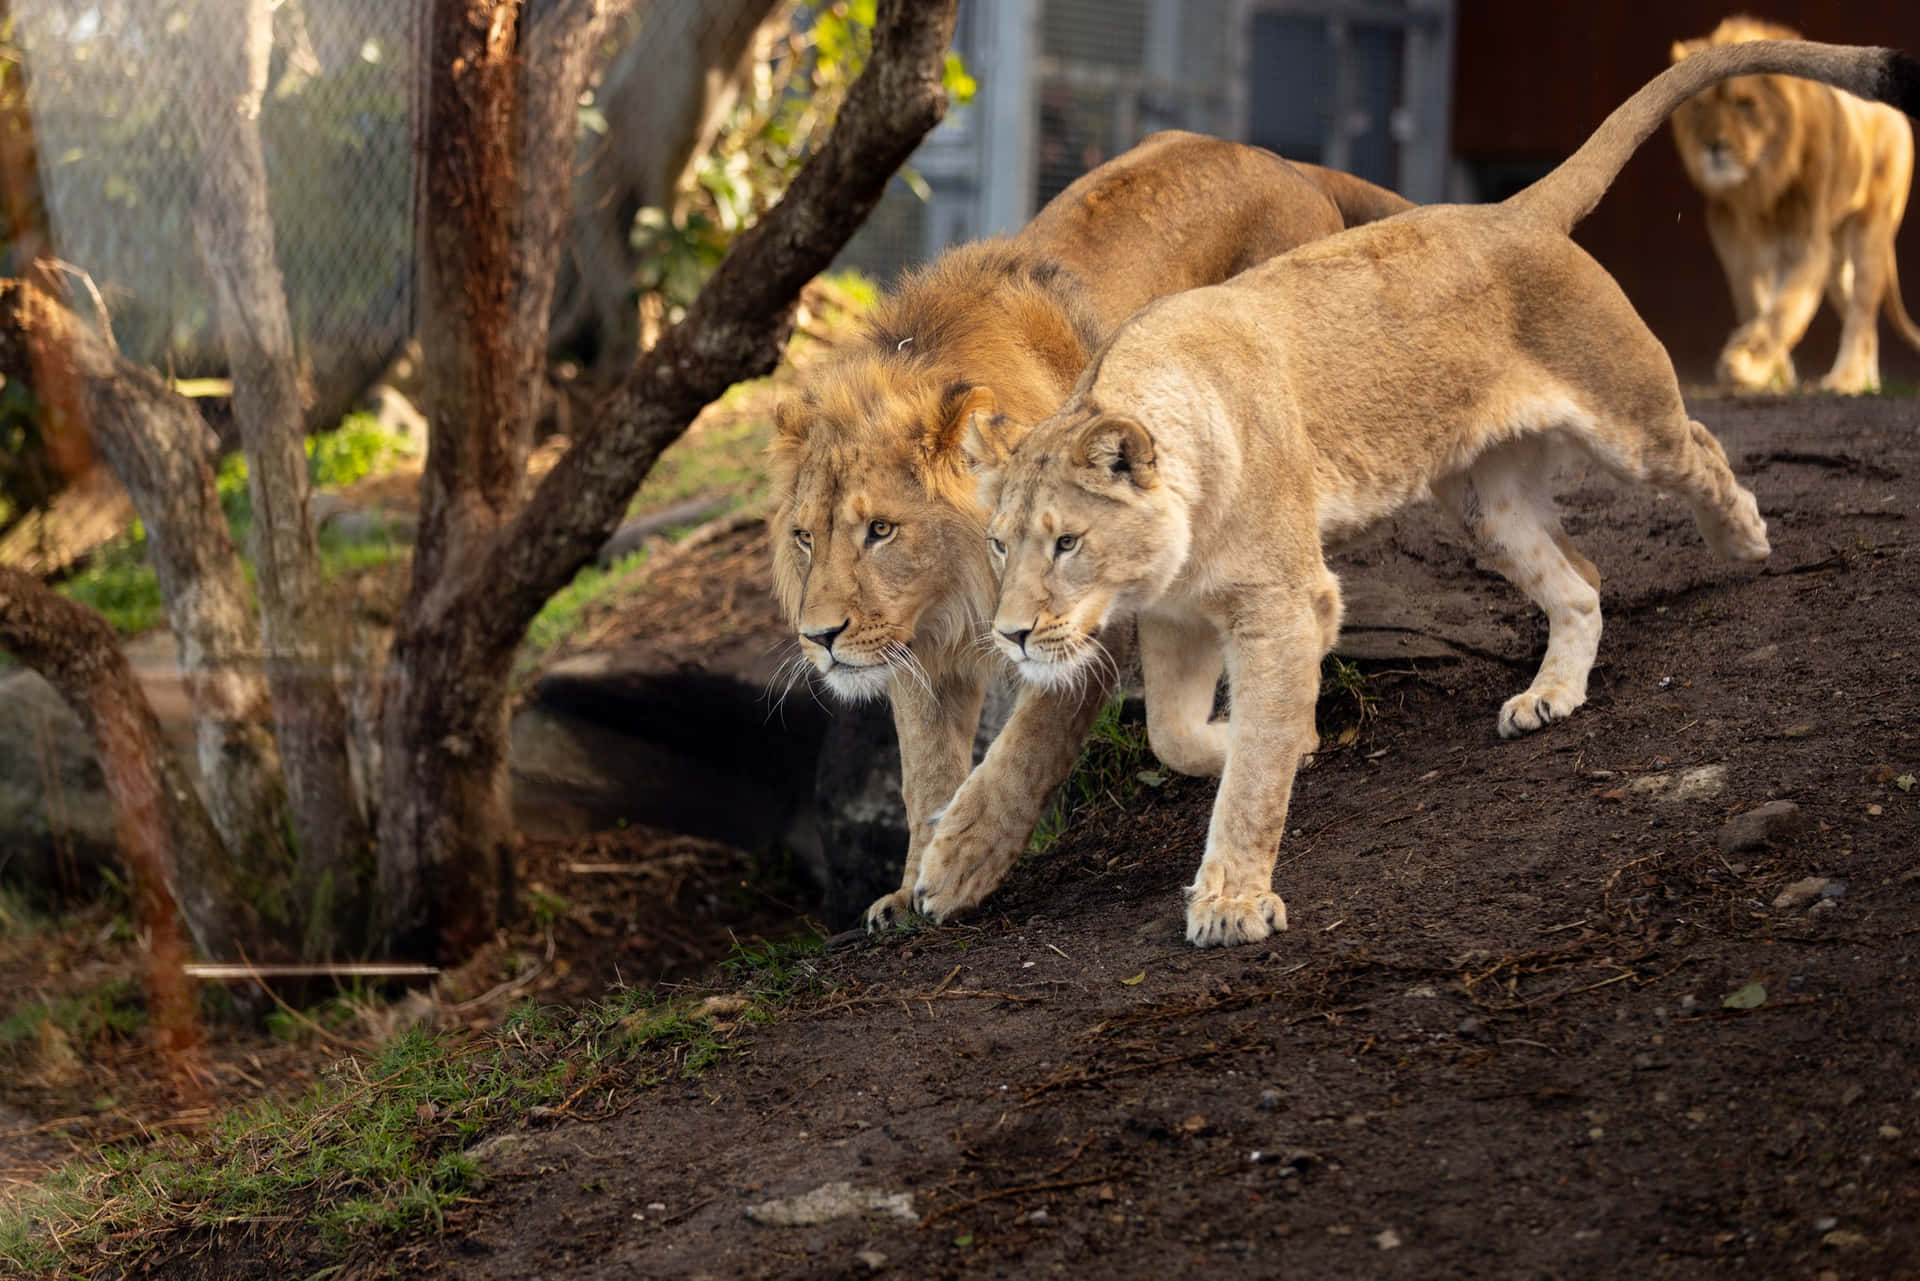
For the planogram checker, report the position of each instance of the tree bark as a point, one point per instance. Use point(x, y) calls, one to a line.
point(483, 568)
point(156, 443)
point(157, 817)
point(234, 230)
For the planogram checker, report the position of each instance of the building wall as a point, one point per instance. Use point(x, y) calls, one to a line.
point(1532, 80)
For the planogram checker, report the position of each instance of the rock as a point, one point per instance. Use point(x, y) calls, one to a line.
point(828, 1202)
point(871, 1260)
point(56, 825)
point(635, 736)
point(1758, 657)
point(1469, 1026)
point(1269, 1100)
point(1800, 729)
point(1843, 1239)
point(1388, 1239)
point(629, 537)
point(373, 525)
point(858, 811)
point(1762, 826)
point(1800, 893)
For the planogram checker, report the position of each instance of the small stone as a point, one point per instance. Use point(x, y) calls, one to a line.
point(1802, 729)
point(1875, 811)
point(1761, 826)
point(873, 1260)
point(1039, 1217)
point(1269, 1099)
point(1469, 1026)
point(1643, 1063)
point(1194, 1124)
point(1800, 893)
point(1833, 889)
point(1754, 658)
point(1388, 1239)
point(1890, 1132)
point(1424, 992)
point(1689, 1002)
point(1842, 1239)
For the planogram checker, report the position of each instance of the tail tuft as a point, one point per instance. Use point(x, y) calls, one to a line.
point(1902, 72)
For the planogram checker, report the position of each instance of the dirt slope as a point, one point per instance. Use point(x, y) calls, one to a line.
point(1495, 1041)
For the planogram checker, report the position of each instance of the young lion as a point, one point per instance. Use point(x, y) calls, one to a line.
point(877, 550)
point(1223, 434)
point(1805, 187)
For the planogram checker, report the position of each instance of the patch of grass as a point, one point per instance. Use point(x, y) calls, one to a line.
point(571, 606)
point(1115, 763)
point(1344, 684)
point(728, 458)
point(385, 1143)
point(120, 585)
point(113, 1011)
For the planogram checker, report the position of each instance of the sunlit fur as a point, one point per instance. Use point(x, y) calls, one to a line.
point(1805, 189)
point(993, 332)
point(1223, 435)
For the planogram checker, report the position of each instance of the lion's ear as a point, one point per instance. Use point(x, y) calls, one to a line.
point(1685, 48)
point(960, 408)
point(789, 422)
point(1119, 447)
point(985, 445)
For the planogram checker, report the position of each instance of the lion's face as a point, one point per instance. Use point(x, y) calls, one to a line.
point(1733, 131)
point(877, 550)
point(1739, 129)
point(1083, 533)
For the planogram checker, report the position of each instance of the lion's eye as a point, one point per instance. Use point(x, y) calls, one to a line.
point(1065, 543)
point(803, 540)
point(877, 530)
point(999, 548)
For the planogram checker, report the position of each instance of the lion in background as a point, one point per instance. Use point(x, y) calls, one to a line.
point(878, 551)
point(1805, 188)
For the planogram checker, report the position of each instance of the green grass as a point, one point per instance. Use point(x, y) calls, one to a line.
point(119, 584)
point(726, 459)
point(383, 1144)
point(113, 1011)
point(567, 609)
point(1115, 763)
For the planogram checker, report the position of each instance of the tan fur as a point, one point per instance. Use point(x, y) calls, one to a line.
point(1805, 190)
point(878, 556)
point(1224, 435)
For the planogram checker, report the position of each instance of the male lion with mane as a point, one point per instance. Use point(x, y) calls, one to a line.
point(1805, 189)
point(1224, 434)
point(877, 551)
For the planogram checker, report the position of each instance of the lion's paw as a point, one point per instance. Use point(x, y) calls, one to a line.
point(1756, 365)
point(891, 910)
point(1538, 707)
point(1221, 920)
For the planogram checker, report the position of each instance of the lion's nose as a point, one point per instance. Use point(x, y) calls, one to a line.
point(1019, 638)
point(825, 636)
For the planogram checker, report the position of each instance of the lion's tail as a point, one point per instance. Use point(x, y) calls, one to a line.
point(1570, 192)
point(1896, 307)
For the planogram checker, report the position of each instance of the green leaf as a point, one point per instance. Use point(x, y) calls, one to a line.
point(1750, 997)
point(1904, 782)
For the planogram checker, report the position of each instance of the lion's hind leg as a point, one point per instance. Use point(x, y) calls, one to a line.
point(1504, 502)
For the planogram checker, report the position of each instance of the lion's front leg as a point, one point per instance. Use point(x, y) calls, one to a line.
point(935, 729)
point(1274, 665)
point(1776, 291)
point(983, 832)
point(1855, 291)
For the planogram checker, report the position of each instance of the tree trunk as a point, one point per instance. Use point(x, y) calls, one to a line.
point(234, 229)
point(156, 443)
point(158, 821)
point(482, 569)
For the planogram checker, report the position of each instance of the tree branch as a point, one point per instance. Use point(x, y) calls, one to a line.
point(738, 325)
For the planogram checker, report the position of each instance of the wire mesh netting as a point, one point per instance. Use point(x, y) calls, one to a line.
point(108, 84)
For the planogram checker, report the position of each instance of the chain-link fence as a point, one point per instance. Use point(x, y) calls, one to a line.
point(108, 83)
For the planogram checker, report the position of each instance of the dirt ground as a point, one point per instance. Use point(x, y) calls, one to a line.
point(1534, 1017)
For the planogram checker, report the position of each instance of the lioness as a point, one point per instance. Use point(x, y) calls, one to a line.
point(877, 550)
point(1223, 434)
point(1805, 188)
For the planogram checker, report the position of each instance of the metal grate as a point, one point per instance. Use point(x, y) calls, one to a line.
point(107, 85)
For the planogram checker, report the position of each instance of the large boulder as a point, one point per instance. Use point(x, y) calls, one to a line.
point(56, 826)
